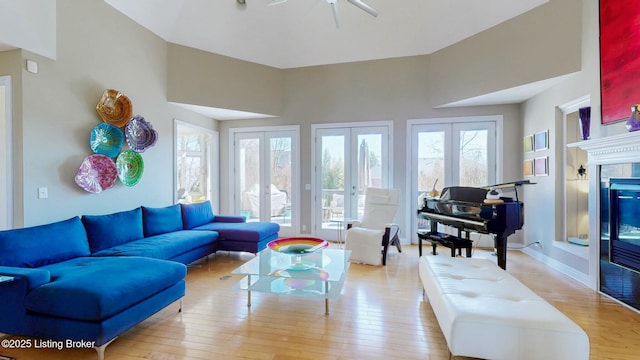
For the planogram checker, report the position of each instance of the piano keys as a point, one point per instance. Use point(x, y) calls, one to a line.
point(465, 209)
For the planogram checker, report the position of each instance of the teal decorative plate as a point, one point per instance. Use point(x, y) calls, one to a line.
point(106, 139)
point(130, 167)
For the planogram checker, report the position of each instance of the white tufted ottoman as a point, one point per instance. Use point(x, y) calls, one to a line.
point(485, 312)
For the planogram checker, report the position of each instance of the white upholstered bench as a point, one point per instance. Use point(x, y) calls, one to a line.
point(485, 312)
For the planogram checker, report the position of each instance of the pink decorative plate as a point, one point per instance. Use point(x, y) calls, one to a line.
point(97, 173)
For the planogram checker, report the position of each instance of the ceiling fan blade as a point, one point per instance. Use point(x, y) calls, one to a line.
point(360, 4)
point(336, 13)
point(277, 2)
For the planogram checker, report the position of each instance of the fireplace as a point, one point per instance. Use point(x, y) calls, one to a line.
point(624, 222)
point(620, 232)
point(612, 269)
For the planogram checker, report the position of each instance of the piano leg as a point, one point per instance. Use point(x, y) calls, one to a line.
point(501, 251)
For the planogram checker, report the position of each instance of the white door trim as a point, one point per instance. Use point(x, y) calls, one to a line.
point(6, 155)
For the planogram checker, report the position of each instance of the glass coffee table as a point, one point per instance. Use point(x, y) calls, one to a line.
point(318, 275)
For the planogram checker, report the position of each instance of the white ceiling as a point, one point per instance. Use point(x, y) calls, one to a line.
point(301, 33)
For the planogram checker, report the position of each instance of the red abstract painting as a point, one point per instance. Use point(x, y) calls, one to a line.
point(619, 58)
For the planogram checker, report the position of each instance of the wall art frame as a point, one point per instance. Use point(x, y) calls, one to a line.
point(619, 60)
point(541, 140)
point(541, 166)
point(527, 143)
point(527, 168)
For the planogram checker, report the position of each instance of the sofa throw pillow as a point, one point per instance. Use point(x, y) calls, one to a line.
point(43, 245)
point(163, 220)
point(196, 214)
point(107, 231)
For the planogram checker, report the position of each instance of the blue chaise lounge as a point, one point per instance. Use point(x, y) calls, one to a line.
point(59, 291)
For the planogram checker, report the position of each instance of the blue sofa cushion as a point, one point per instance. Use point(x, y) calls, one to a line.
point(251, 231)
point(163, 246)
point(161, 220)
point(105, 231)
point(93, 289)
point(42, 245)
point(196, 214)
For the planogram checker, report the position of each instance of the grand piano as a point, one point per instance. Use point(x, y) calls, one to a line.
point(468, 210)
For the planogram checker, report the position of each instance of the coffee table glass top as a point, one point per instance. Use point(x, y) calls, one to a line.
point(320, 274)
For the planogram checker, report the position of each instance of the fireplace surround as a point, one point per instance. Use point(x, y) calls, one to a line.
point(614, 215)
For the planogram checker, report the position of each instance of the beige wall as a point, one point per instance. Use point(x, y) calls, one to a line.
point(544, 216)
point(540, 44)
point(201, 78)
point(98, 48)
point(401, 89)
point(54, 112)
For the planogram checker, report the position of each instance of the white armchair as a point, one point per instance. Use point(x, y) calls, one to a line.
point(369, 238)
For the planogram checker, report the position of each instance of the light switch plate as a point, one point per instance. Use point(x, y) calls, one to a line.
point(43, 193)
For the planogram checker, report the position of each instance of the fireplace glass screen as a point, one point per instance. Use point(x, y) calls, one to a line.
point(624, 222)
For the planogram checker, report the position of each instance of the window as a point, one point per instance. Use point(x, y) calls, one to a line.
point(195, 159)
point(451, 152)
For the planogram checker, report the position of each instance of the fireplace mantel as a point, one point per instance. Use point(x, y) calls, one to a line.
point(622, 148)
point(620, 154)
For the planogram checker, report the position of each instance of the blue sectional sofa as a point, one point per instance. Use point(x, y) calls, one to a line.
point(90, 279)
point(234, 233)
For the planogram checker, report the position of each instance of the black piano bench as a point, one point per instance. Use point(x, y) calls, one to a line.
point(452, 242)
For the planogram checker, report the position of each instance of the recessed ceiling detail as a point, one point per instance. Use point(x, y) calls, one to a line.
point(303, 33)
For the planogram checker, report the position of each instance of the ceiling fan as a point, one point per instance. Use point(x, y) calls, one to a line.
point(334, 7)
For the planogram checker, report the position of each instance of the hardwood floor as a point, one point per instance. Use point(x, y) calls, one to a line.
point(380, 315)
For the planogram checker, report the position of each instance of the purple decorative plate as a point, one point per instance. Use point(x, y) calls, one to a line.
point(106, 139)
point(97, 173)
point(140, 134)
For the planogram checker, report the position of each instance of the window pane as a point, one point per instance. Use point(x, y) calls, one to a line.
point(250, 188)
point(281, 178)
point(332, 174)
point(192, 162)
point(430, 161)
point(473, 158)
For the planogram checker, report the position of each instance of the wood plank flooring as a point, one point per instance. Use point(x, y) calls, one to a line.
point(380, 315)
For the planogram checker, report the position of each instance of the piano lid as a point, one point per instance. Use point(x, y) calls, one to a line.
point(463, 193)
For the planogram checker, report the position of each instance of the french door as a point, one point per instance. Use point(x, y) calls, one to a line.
point(458, 153)
point(265, 176)
point(348, 160)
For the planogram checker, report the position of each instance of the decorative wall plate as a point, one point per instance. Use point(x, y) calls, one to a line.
point(114, 108)
point(140, 134)
point(106, 139)
point(130, 167)
point(297, 245)
point(96, 173)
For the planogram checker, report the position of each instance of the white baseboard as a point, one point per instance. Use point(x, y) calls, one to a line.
point(557, 265)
